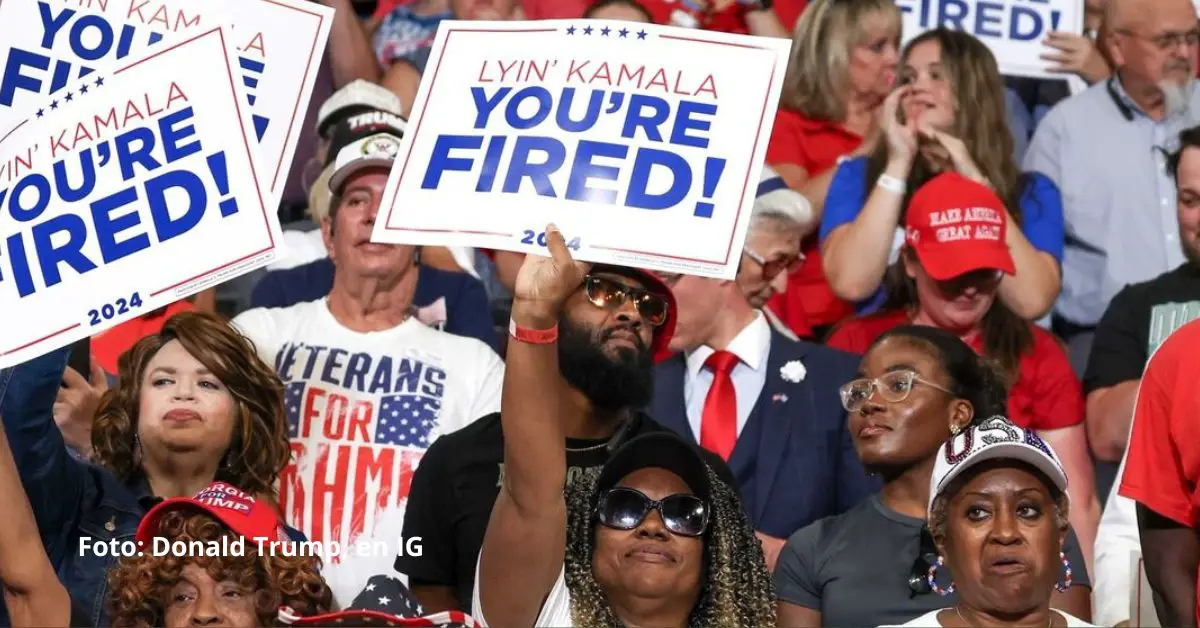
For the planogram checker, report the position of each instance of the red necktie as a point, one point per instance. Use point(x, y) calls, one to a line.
point(718, 421)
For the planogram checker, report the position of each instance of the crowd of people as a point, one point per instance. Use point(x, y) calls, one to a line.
point(952, 383)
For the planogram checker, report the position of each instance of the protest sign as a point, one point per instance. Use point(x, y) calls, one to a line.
point(643, 143)
point(1012, 29)
point(47, 45)
point(136, 191)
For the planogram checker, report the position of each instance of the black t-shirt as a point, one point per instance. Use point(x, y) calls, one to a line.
point(457, 483)
point(1136, 322)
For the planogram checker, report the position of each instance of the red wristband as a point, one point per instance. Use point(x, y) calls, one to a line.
point(532, 336)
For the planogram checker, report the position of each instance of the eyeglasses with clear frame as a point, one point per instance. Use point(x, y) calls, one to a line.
point(1167, 41)
point(893, 387)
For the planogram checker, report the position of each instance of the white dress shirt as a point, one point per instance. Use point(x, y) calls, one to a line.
point(1118, 545)
point(751, 346)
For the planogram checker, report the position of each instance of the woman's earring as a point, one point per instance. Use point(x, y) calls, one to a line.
point(954, 429)
point(933, 585)
point(1065, 583)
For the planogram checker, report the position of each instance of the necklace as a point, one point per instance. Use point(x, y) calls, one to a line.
point(1050, 624)
point(576, 450)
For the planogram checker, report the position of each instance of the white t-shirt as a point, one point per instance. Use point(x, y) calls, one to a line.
point(362, 409)
point(930, 620)
point(556, 610)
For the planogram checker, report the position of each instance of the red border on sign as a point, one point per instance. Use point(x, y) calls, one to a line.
point(429, 93)
point(296, 108)
point(245, 144)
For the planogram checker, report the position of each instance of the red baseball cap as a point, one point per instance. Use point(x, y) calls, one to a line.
point(660, 346)
point(956, 225)
point(238, 510)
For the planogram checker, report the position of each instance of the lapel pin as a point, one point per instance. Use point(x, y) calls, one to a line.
point(793, 371)
point(779, 398)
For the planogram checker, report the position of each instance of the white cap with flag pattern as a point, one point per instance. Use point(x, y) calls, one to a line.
point(995, 438)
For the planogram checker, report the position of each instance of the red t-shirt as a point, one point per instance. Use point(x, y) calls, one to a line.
point(1162, 464)
point(815, 146)
point(732, 19)
point(554, 9)
point(1046, 396)
point(108, 346)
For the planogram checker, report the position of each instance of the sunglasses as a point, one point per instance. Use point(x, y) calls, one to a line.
point(893, 387)
point(772, 268)
point(610, 294)
point(627, 508)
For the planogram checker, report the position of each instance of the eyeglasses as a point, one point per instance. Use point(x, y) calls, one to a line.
point(894, 387)
point(607, 293)
point(626, 508)
point(771, 269)
point(1167, 41)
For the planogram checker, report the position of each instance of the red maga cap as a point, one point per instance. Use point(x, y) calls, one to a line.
point(955, 226)
point(238, 510)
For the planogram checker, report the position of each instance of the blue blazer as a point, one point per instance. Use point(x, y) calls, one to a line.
point(794, 460)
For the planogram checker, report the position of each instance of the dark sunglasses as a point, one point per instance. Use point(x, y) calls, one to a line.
point(627, 508)
point(608, 294)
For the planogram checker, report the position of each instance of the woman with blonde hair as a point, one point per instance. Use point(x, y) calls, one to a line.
point(193, 404)
point(947, 115)
point(842, 66)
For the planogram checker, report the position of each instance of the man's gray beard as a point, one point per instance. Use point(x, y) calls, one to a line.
point(1177, 98)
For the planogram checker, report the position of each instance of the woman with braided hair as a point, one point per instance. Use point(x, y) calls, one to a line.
point(654, 538)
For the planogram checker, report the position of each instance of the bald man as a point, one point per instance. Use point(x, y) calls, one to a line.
point(1105, 148)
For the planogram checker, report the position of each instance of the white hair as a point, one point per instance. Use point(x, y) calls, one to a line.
point(776, 201)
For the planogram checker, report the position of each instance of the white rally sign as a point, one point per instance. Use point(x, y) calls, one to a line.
point(48, 46)
point(138, 192)
point(1012, 29)
point(643, 143)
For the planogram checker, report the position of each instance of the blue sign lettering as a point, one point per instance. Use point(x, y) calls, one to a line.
point(1012, 20)
point(121, 223)
point(90, 38)
point(512, 153)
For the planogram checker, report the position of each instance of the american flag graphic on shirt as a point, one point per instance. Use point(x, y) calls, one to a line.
point(407, 420)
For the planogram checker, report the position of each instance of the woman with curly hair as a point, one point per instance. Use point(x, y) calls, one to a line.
point(998, 510)
point(172, 583)
point(947, 115)
point(656, 538)
point(194, 404)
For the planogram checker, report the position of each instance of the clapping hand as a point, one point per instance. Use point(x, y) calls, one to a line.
point(956, 151)
point(901, 136)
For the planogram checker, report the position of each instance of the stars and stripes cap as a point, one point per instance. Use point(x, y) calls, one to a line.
point(385, 601)
point(993, 439)
point(238, 510)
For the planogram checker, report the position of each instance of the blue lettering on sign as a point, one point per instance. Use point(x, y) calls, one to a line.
point(1012, 20)
point(122, 223)
point(88, 38)
point(608, 172)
